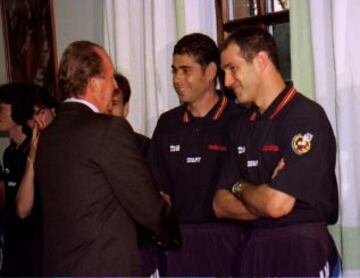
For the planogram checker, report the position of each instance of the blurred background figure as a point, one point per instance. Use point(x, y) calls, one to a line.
point(153, 258)
point(120, 100)
point(21, 237)
point(2, 203)
point(43, 107)
point(120, 108)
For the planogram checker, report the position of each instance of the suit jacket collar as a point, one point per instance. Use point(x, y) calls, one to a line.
point(68, 106)
point(83, 101)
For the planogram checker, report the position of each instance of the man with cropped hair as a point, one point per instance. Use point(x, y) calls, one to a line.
point(187, 152)
point(279, 177)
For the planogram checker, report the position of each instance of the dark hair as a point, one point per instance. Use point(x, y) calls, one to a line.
point(123, 87)
point(80, 61)
point(43, 99)
point(19, 96)
point(199, 46)
point(252, 40)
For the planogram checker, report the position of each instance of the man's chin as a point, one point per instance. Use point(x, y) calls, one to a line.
point(243, 101)
point(182, 98)
point(239, 98)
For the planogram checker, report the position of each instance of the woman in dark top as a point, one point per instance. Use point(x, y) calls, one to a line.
point(22, 237)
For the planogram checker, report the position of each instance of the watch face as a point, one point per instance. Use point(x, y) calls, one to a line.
point(237, 188)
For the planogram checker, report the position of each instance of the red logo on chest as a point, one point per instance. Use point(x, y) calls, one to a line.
point(270, 148)
point(218, 148)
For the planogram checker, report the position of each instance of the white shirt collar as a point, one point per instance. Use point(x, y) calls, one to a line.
point(85, 102)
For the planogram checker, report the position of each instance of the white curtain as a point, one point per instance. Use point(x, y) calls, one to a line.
point(140, 36)
point(335, 27)
point(200, 16)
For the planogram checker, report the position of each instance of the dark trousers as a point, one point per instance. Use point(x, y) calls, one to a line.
point(207, 250)
point(295, 250)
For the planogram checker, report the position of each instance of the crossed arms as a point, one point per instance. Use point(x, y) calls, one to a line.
point(253, 202)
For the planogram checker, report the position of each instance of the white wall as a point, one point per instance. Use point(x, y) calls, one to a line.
point(77, 20)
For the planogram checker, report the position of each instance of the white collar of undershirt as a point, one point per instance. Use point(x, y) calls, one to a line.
point(83, 101)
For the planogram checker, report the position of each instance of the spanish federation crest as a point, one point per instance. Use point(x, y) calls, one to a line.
point(301, 144)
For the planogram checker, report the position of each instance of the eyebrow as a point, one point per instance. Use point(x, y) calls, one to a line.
point(180, 67)
point(226, 65)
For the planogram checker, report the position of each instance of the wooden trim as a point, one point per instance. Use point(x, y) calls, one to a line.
point(268, 19)
point(219, 21)
point(225, 10)
point(261, 7)
point(6, 40)
point(56, 92)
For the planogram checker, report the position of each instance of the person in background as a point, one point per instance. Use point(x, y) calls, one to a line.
point(186, 154)
point(2, 191)
point(20, 236)
point(2, 204)
point(152, 256)
point(93, 180)
point(280, 172)
point(43, 113)
point(120, 108)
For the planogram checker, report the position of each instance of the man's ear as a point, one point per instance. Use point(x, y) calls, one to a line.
point(126, 109)
point(261, 60)
point(211, 71)
point(94, 84)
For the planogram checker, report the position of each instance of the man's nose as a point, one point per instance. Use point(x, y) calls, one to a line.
point(229, 79)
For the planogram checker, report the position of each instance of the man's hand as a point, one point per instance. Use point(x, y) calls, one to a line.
point(166, 197)
point(226, 205)
point(278, 168)
point(34, 144)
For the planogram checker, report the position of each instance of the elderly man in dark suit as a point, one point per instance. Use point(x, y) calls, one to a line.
point(93, 180)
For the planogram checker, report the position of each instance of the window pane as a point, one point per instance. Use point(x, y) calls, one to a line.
point(276, 5)
point(280, 5)
point(281, 33)
point(242, 8)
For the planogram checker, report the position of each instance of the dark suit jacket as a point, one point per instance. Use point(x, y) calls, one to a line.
point(94, 186)
point(143, 143)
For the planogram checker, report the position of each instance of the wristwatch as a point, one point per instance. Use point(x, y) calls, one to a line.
point(237, 188)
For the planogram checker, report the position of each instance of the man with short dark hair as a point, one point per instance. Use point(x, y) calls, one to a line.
point(93, 179)
point(120, 108)
point(279, 176)
point(121, 97)
point(187, 151)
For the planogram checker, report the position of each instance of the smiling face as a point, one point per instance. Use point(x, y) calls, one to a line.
point(191, 80)
point(242, 76)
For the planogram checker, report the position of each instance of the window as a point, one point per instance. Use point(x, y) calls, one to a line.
point(272, 14)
